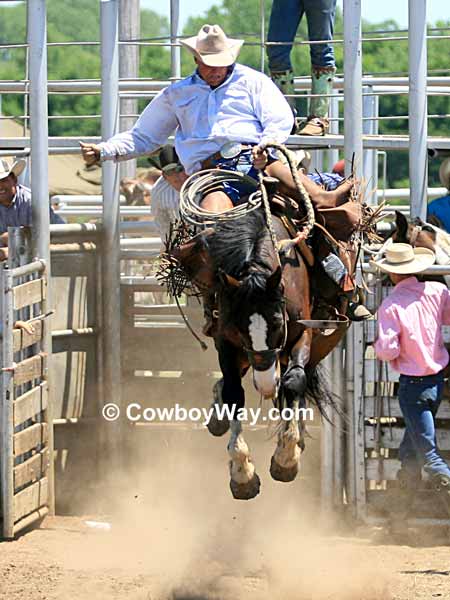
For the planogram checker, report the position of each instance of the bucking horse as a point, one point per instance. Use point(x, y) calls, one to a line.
point(263, 290)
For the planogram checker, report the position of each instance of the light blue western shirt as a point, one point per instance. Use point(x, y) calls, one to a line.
point(247, 107)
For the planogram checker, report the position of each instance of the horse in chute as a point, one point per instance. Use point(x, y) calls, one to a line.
point(264, 319)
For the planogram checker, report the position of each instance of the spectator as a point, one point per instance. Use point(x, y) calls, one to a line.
point(439, 209)
point(166, 191)
point(410, 339)
point(284, 21)
point(15, 203)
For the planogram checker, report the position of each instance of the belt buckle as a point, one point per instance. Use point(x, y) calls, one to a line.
point(231, 150)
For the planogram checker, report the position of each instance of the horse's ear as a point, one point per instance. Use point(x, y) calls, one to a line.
point(274, 280)
point(401, 223)
point(227, 280)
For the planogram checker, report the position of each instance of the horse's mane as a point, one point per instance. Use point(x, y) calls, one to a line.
point(239, 245)
point(242, 248)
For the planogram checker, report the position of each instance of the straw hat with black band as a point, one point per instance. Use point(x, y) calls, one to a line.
point(403, 259)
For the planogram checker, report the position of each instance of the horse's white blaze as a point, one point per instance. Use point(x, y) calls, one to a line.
point(258, 332)
point(266, 382)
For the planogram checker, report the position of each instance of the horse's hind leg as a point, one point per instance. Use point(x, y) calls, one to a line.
point(285, 460)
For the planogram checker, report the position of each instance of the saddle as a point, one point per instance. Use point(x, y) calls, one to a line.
point(339, 222)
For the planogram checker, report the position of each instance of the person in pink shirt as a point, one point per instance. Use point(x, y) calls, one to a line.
point(410, 320)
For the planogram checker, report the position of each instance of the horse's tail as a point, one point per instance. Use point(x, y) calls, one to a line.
point(318, 391)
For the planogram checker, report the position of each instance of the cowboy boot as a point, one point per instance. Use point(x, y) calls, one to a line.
point(284, 80)
point(322, 85)
point(338, 272)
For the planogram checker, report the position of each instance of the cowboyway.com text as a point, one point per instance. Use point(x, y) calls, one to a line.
point(135, 412)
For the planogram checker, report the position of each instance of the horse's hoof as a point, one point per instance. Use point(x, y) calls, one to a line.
point(245, 491)
point(281, 473)
point(218, 427)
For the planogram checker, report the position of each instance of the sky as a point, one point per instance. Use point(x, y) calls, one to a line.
point(372, 10)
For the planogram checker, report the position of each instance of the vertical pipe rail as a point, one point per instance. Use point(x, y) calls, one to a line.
point(352, 146)
point(326, 452)
point(370, 161)
point(418, 125)
point(38, 98)
point(6, 407)
point(352, 86)
point(109, 13)
point(262, 15)
point(128, 69)
point(175, 50)
point(333, 153)
point(338, 426)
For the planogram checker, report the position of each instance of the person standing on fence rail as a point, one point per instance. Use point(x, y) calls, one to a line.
point(285, 18)
point(410, 339)
point(15, 203)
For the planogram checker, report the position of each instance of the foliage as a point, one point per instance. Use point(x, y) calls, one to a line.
point(79, 21)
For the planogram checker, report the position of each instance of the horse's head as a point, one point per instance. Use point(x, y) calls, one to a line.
point(423, 235)
point(254, 306)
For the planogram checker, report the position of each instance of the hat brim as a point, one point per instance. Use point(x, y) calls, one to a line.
point(423, 259)
point(220, 59)
point(17, 168)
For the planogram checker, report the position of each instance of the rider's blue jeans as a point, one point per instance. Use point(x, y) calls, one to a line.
point(419, 402)
point(284, 21)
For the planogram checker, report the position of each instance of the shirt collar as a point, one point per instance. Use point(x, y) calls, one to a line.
point(196, 77)
point(405, 282)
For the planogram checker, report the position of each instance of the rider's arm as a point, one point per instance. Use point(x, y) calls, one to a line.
point(272, 110)
point(387, 345)
point(150, 132)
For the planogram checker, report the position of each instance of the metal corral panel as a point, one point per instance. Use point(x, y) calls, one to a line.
point(75, 349)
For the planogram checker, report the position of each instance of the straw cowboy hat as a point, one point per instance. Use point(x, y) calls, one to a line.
point(444, 173)
point(17, 167)
point(404, 259)
point(213, 47)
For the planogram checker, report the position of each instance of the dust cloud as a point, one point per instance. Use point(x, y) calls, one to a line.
point(176, 527)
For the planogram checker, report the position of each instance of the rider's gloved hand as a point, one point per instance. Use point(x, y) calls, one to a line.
point(259, 158)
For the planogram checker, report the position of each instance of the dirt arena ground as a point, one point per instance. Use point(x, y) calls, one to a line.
point(176, 534)
point(65, 560)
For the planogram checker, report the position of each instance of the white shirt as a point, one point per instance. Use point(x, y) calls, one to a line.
point(247, 107)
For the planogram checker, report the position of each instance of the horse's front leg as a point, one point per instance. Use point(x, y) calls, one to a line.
point(244, 482)
point(285, 460)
